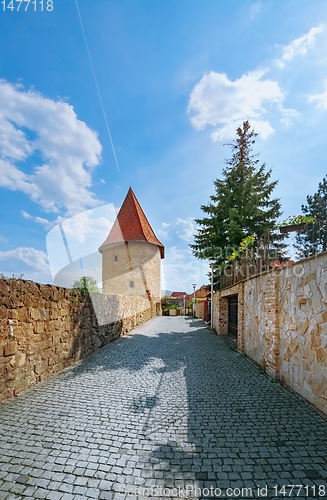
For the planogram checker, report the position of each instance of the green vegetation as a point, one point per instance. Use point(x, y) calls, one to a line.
point(241, 206)
point(241, 211)
point(297, 219)
point(314, 237)
point(87, 284)
point(171, 306)
point(12, 277)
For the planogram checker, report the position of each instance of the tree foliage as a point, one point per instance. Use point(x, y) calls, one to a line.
point(314, 237)
point(86, 283)
point(242, 203)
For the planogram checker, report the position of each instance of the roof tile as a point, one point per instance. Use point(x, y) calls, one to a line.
point(131, 224)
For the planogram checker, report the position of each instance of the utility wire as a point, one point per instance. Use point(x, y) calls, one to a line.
point(96, 84)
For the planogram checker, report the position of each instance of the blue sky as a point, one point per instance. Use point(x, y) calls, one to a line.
point(176, 79)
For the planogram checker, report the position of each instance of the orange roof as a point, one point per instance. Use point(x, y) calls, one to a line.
point(202, 292)
point(131, 224)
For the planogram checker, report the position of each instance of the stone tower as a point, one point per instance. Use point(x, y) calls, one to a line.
point(131, 254)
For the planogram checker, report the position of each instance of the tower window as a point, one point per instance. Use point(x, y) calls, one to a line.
point(116, 258)
point(131, 284)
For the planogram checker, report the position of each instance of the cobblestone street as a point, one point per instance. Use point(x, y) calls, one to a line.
point(169, 405)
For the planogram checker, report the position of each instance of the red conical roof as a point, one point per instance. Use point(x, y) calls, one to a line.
point(131, 225)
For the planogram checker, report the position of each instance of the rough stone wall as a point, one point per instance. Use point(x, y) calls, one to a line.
point(139, 262)
point(303, 329)
point(260, 318)
point(284, 324)
point(44, 328)
point(272, 334)
point(220, 314)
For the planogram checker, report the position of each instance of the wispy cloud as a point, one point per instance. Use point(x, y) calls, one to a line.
point(182, 228)
point(255, 9)
point(181, 269)
point(222, 103)
point(320, 99)
point(299, 46)
point(31, 123)
point(44, 222)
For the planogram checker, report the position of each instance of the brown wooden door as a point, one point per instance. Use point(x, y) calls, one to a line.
point(232, 316)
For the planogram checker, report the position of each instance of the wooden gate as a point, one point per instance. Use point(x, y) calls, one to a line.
point(232, 316)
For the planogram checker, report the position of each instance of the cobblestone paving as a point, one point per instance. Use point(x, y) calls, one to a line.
point(170, 405)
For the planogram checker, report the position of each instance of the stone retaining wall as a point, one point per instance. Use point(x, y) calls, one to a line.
point(44, 329)
point(282, 324)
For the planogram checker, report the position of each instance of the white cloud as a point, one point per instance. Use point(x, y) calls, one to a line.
point(320, 98)
point(288, 116)
point(180, 269)
point(83, 233)
point(35, 259)
point(299, 46)
point(44, 222)
point(83, 227)
point(3, 240)
point(70, 150)
point(224, 104)
point(184, 229)
point(13, 142)
point(255, 9)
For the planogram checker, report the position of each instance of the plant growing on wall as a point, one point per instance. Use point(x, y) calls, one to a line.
point(245, 243)
point(12, 277)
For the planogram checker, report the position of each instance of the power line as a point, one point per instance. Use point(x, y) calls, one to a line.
point(96, 84)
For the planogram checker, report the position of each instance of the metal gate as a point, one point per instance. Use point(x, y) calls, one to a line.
point(232, 316)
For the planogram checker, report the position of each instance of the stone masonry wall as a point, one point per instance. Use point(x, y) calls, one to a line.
point(137, 261)
point(44, 329)
point(261, 336)
point(303, 329)
point(284, 324)
point(220, 314)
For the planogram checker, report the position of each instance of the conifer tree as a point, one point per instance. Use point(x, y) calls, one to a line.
point(241, 205)
point(314, 237)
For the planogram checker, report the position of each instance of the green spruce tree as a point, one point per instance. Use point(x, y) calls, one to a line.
point(314, 237)
point(241, 206)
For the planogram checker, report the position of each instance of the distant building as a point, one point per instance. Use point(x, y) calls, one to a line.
point(203, 303)
point(178, 295)
point(179, 298)
point(131, 254)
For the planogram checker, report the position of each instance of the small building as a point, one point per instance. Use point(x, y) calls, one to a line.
point(203, 303)
point(180, 299)
point(131, 254)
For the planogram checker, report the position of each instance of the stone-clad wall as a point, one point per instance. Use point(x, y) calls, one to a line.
point(284, 324)
point(44, 328)
point(255, 319)
point(260, 331)
point(303, 329)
